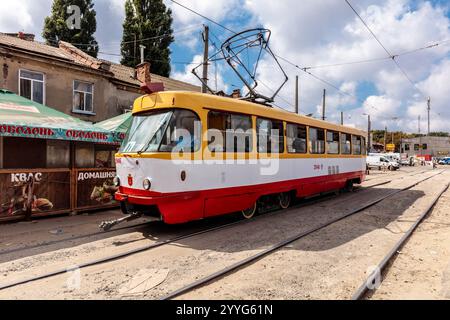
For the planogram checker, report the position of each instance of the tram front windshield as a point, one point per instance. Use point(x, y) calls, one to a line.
point(162, 132)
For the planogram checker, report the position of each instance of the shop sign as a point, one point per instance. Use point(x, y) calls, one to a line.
point(95, 188)
point(58, 134)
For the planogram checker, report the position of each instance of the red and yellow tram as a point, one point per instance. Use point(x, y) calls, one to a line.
point(190, 156)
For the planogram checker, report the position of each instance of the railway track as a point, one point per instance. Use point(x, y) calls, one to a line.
point(84, 236)
point(375, 278)
point(201, 232)
point(256, 257)
point(137, 226)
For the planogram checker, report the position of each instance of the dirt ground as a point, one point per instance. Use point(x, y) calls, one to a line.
point(422, 268)
point(329, 264)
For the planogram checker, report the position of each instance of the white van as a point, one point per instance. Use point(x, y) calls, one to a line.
point(380, 162)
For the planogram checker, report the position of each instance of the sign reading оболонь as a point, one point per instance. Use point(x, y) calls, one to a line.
point(57, 134)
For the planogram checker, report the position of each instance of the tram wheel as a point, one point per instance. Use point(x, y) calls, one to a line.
point(250, 212)
point(285, 200)
point(349, 187)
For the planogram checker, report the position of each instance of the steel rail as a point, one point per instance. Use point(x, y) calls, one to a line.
point(162, 243)
point(49, 243)
point(370, 281)
point(250, 260)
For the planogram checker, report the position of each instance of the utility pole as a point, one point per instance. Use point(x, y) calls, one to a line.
point(429, 109)
point(342, 118)
point(142, 53)
point(418, 123)
point(385, 136)
point(393, 138)
point(296, 95)
point(135, 47)
point(205, 59)
point(323, 104)
point(369, 130)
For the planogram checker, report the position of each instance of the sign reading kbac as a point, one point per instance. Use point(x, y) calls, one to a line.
point(24, 177)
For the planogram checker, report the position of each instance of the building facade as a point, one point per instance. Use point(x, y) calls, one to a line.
point(69, 80)
point(434, 146)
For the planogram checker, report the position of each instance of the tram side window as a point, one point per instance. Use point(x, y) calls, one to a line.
point(356, 140)
point(296, 138)
point(235, 132)
point(317, 141)
point(346, 143)
point(333, 142)
point(363, 146)
point(182, 133)
point(270, 136)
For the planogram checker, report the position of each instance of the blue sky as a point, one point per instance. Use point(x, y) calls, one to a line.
point(308, 33)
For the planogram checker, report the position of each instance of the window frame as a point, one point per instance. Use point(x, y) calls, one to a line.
point(324, 140)
point(283, 135)
point(364, 148)
point(230, 113)
point(74, 110)
point(339, 142)
point(306, 139)
point(44, 82)
point(164, 110)
point(351, 144)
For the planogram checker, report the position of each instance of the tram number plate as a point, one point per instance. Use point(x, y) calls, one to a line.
point(318, 167)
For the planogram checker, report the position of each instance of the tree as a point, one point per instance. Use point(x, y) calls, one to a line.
point(63, 24)
point(146, 19)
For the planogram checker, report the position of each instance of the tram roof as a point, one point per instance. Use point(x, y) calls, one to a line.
point(195, 101)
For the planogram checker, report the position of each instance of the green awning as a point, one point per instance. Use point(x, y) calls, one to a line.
point(118, 126)
point(20, 117)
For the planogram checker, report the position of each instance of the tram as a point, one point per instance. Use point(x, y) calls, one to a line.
point(191, 156)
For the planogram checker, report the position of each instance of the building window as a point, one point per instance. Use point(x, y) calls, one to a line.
point(32, 85)
point(235, 132)
point(346, 143)
point(425, 146)
point(333, 142)
point(407, 147)
point(296, 138)
point(317, 141)
point(83, 97)
point(416, 147)
point(270, 136)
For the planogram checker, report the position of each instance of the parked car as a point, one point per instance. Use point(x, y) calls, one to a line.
point(379, 162)
point(445, 161)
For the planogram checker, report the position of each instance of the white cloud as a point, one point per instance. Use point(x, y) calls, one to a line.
point(26, 15)
point(328, 32)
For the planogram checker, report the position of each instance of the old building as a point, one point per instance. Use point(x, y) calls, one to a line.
point(69, 80)
point(434, 146)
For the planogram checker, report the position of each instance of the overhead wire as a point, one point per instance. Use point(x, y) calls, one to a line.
point(391, 56)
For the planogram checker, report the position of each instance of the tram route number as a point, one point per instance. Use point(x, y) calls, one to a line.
point(225, 310)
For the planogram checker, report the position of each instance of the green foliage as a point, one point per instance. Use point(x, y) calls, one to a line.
point(56, 29)
point(439, 134)
point(147, 19)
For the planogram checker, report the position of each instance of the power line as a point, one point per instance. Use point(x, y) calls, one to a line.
point(393, 57)
point(204, 17)
point(55, 41)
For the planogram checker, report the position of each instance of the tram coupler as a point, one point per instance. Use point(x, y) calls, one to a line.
point(107, 225)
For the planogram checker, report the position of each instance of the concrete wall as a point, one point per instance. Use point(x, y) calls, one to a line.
point(108, 99)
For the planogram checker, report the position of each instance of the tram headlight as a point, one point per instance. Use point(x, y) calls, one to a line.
point(147, 184)
point(116, 181)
